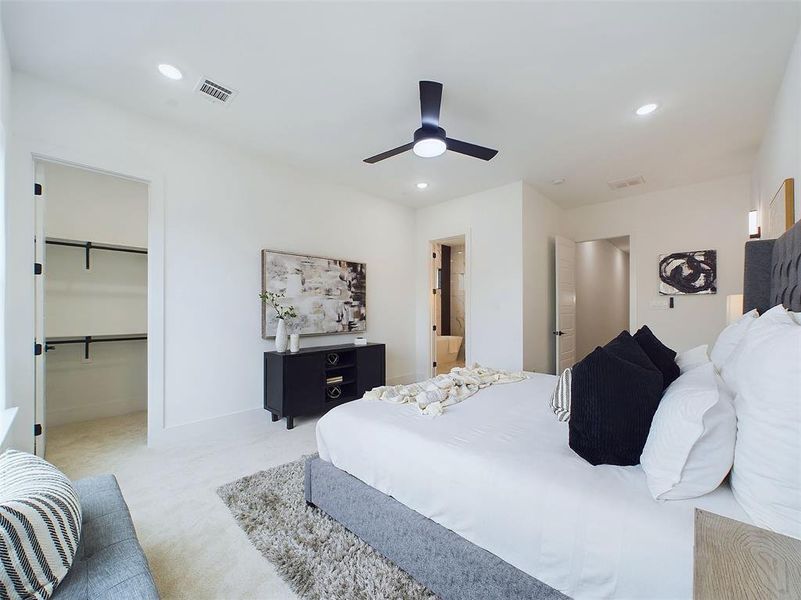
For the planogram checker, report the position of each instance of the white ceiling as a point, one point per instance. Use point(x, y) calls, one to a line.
point(552, 85)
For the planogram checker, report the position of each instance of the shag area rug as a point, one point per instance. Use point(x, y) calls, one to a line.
point(316, 556)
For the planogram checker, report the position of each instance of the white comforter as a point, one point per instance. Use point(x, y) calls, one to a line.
point(497, 470)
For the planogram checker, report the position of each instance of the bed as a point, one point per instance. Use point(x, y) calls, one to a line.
point(496, 470)
point(488, 501)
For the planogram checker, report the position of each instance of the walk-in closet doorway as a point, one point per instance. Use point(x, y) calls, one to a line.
point(91, 298)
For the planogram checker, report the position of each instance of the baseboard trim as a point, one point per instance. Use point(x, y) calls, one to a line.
point(97, 410)
point(215, 428)
point(229, 426)
point(402, 379)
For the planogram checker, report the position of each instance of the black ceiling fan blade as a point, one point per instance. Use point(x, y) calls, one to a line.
point(470, 149)
point(389, 153)
point(430, 102)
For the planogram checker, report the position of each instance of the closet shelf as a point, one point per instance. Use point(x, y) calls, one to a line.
point(51, 343)
point(89, 246)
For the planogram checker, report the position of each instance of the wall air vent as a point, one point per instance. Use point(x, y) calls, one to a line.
point(627, 182)
point(214, 92)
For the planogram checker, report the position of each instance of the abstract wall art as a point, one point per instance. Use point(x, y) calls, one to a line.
point(688, 272)
point(330, 295)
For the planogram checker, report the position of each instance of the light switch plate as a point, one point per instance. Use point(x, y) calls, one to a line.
point(659, 304)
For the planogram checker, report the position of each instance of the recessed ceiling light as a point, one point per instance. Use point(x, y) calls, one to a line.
point(558, 181)
point(170, 72)
point(646, 109)
point(422, 185)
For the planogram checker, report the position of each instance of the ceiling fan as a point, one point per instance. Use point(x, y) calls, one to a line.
point(430, 139)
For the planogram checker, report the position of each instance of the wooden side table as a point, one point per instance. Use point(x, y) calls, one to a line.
point(735, 560)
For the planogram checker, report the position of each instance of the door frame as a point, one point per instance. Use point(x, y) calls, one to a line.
point(557, 332)
point(468, 259)
point(40, 359)
point(155, 267)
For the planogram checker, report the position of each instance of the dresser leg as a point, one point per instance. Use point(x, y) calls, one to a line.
point(290, 422)
point(275, 417)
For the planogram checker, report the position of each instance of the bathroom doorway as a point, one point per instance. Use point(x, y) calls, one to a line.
point(448, 305)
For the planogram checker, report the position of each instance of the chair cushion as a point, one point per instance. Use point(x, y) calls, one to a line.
point(40, 526)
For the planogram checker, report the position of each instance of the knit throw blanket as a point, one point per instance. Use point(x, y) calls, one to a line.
point(433, 395)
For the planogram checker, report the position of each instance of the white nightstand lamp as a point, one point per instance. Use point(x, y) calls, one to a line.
point(734, 308)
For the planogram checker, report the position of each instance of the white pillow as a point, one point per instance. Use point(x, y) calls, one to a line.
point(692, 358)
point(690, 446)
point(729, 338)
point(765, 375)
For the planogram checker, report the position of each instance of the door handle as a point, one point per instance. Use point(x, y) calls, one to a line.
point(558, 332)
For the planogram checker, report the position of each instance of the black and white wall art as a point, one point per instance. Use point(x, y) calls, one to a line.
point(330, 295)
point(688, 272)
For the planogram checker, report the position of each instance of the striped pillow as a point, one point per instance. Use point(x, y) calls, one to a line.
point(40, 526)
point(560, 400)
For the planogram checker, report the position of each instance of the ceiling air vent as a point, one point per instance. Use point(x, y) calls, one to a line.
point(627, 182)
point(214, 92)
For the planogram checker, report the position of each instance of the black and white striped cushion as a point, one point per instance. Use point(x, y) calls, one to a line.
point(560, 400)
point(40, 526)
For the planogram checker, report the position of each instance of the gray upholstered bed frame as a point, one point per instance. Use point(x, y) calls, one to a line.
point(449, 565)
point(773, 272)
point(446, 563)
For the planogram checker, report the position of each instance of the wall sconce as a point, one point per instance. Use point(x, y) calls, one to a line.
point(754, 230)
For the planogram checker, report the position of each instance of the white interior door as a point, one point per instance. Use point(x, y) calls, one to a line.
point(39, 327)
point(565, 332)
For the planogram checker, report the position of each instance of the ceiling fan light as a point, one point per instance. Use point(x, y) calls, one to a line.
point(429, 147)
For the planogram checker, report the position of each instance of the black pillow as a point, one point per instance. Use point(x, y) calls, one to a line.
point(624, 346)
point(663, 357)
point(614, 394)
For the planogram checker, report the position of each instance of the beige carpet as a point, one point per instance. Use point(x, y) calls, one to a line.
point(195, 548)
point(316, 555)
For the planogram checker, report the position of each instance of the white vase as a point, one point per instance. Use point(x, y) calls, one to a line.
point(280, 336)
point(294, 342)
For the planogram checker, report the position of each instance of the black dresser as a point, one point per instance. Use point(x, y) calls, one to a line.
point(314, 380)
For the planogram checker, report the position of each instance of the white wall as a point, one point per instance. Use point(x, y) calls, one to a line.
point(509, 274)
point(91, 206)
point(109, 299)
point(602, 294)
point(780, 153)
point(490, 222)
point(541, 221)
point(113, 382)
point(710, 215)
point(8, 434)
point(221, 207)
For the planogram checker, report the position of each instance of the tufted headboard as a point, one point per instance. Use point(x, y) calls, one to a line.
point(773, 272)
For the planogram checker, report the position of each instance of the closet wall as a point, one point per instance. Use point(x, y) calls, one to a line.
point(108, 299)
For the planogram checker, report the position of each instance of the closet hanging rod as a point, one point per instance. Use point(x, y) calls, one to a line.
point(90, 339)
point(89, 246)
